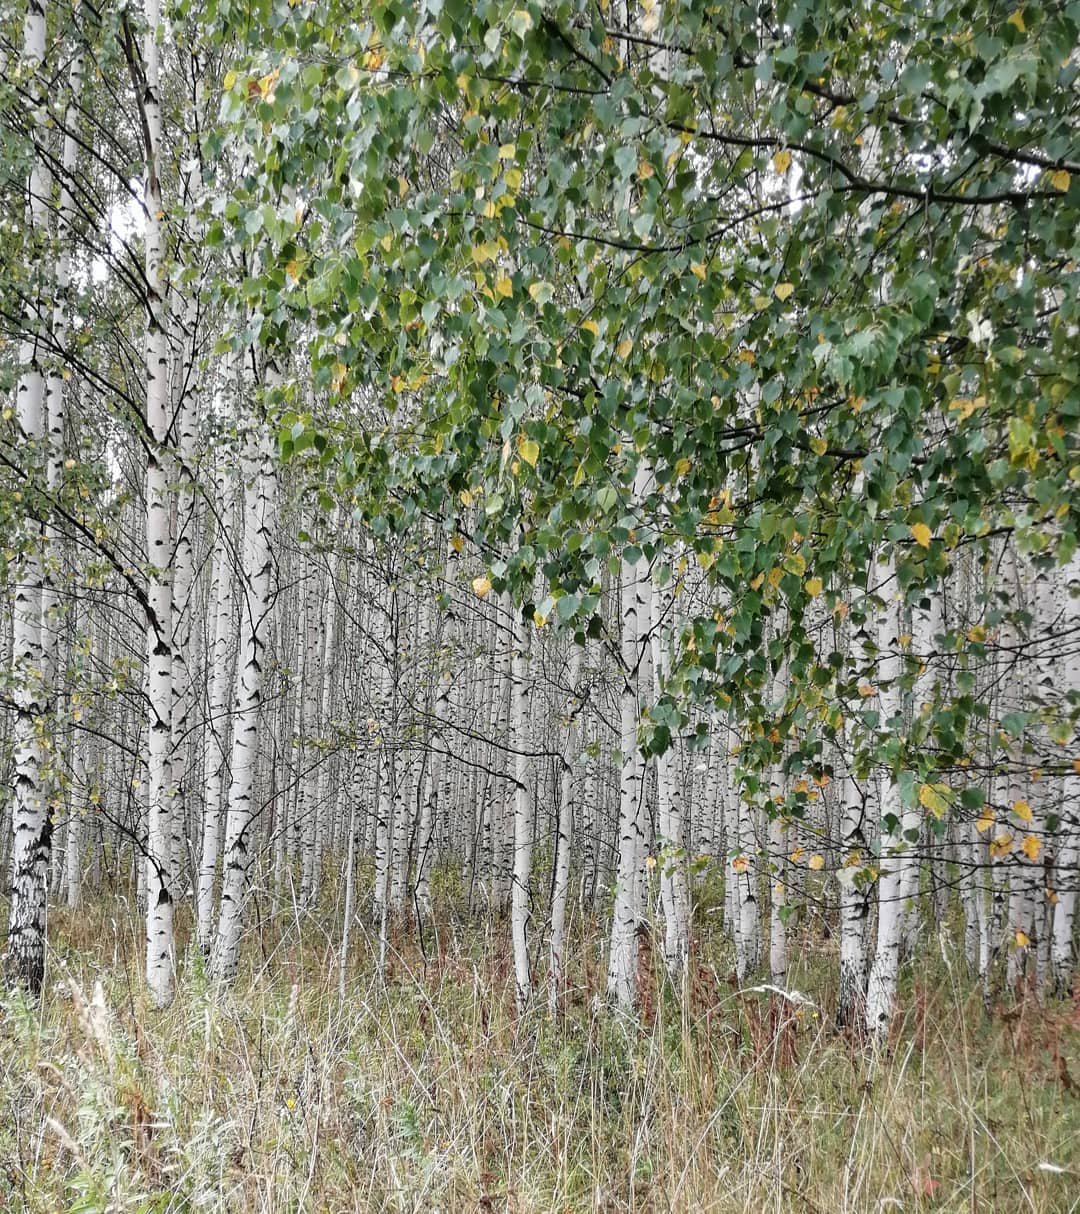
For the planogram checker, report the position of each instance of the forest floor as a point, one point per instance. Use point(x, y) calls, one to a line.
point(423, 1091)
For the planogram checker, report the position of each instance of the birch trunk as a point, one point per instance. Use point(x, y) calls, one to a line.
point(632, 842)
point(524, 811)
point(256, 598)
point(896, 821)
point(31, 825)
point(217, 730)
point(672, 859)
point(564, 837)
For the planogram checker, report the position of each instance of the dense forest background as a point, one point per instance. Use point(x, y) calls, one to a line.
point(539, 605)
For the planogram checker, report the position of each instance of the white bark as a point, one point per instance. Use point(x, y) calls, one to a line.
point(217, 731)
point(30, 824)
point(260, 491)
point(635, 590)
point(524, 810)
point(564, 837)
point(896, 820)
point(672, 859)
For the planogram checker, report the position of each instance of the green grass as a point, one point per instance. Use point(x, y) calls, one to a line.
point(427, 1093)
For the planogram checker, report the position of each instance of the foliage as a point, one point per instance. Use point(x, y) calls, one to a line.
point(815, 264)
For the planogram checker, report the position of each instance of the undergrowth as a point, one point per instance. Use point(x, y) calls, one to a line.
point(423, 1091)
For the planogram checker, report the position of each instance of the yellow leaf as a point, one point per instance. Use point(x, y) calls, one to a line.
point(644, 170)
point(528, 449)
point(1022, 810)
point(756, 582)
point(229, 81)
point(292, 270)
point(932, 797)
point(965, 406)
point(481, 587)
point(504, 288)
point(590, 326)
point(1001, 845)
point(682, 467)
point(761, 302)
point(457, 543)
point(1076, 766)
point(816, 863)
point(402, 187)
point(624, 348)
point(866, 690)
point(1022, 939)
point(781, 162)
point(539, 620)
point(1016, 18)
point(921, 532)
point(1060, 180)
point(1031, 846)
point(985, 820)
point(697, 268)
point(507, 152)
point(783, 290)
point(740, 864)
point(650, 861)
point(818, 445)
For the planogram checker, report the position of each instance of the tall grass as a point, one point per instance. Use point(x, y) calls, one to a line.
point(423, 1090)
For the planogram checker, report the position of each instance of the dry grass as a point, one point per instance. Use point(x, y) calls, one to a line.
point(427, 1093)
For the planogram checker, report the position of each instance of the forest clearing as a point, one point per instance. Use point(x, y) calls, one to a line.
point(539, 605)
